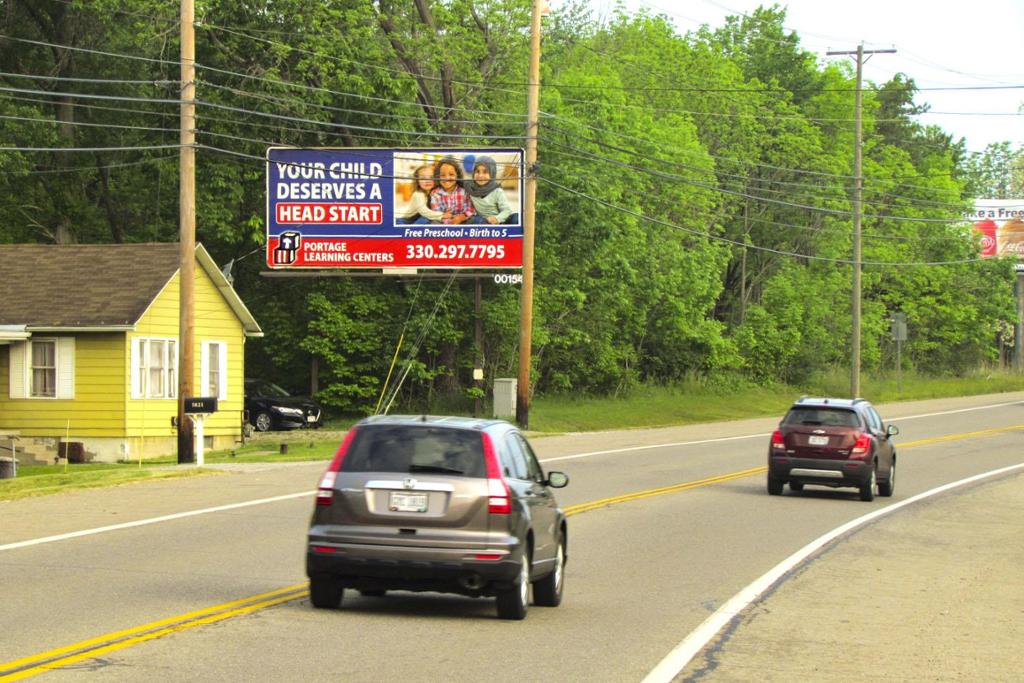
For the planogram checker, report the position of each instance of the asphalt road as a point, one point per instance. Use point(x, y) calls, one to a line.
point(644, 570)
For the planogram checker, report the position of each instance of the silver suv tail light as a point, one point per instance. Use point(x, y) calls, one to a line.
point(325, 491)
point(498, 494)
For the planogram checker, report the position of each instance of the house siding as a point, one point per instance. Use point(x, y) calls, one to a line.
point(214, 321)
point(98, 407)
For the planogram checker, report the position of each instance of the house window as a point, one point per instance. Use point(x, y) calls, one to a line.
point(214, 369)
point(155, 368)
point(42, 368)
point(43, 375)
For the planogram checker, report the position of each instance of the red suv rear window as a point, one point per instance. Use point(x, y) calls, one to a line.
point(826, 417)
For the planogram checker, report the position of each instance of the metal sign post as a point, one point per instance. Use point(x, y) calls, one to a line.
point(197, 409)
point(899, 334)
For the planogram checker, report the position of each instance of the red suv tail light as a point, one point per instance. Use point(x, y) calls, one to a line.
point(777, 440)
point(861, 446)
point(325, 491)
point(498, 495)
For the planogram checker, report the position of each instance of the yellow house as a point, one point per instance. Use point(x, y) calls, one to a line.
point(89, 350)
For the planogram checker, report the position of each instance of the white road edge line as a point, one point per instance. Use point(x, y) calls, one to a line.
point(262, 501)
point(689, 647)
point(760, 436)
point(152, 520)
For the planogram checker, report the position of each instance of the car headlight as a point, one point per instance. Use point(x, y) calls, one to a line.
point(288, 411)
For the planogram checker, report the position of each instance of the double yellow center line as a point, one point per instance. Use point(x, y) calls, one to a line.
point(89, 649)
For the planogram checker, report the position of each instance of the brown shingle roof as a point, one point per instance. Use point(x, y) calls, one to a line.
point(82, 285)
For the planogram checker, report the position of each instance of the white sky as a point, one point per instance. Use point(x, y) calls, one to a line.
point(939, 44)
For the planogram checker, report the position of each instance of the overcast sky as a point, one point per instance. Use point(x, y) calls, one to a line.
point(939, 44)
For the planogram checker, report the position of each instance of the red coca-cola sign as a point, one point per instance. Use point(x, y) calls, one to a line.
point(987, 229)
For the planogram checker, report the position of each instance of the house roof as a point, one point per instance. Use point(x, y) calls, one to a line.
point(95, 286)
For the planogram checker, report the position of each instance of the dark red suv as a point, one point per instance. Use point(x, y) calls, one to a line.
point(833, 442)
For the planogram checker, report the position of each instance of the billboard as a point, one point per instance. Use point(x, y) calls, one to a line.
point(1000, 222)
point(394, 208)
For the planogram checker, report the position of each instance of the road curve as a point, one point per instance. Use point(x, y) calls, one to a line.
point(680, 529)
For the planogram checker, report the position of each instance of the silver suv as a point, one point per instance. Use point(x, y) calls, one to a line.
point(447, 504)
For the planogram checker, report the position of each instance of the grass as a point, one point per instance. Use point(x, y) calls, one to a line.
point(44, 480)
point(646, 406)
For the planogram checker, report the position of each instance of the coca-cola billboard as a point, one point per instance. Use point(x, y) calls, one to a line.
point(1000, 222)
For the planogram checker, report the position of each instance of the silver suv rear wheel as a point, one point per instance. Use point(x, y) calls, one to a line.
point(548, 591)
point(512, 603)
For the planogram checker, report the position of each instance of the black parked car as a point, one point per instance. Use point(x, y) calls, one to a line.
point(271, 407)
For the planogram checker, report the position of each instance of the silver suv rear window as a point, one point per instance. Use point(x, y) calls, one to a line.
point(826, 417)
point(411, 449)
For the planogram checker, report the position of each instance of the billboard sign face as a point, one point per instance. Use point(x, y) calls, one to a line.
point(1000, 222)
point(394, 208)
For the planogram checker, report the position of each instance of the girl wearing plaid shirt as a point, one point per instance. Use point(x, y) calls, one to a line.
point(451, 197)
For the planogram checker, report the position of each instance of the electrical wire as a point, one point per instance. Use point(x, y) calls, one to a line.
point(706, 186)
point(385, 100)
point(419, 340)
point(93, 125)
point(719, 238)
point(814, 189)
point(77, 169)
point(43, 43)
point(88, 149)
point(102, 81)
point(342, 60)
point(292, 101)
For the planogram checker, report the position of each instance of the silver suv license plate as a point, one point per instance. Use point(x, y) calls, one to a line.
point(408, 502)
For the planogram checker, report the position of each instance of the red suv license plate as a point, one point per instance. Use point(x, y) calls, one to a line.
point(408, 502)
point(818, 440)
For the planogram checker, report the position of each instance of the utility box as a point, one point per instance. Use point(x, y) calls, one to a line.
point(505, 396)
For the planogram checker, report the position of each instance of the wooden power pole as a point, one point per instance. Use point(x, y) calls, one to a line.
point(858, 190)
point(187, 224)
point(529, 221)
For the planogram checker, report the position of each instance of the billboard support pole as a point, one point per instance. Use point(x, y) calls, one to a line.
point(1018, 332)
point(529, 222)
point(187, 225)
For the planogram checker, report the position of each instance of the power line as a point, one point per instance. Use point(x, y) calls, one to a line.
point(92, 125)
point(103, 81)
point(90, 96)
point(718, 238)
point(292, 101)
point(77, 169)
point(86, 50)
point(87, 149)
point(385, 100)
point(334, 58)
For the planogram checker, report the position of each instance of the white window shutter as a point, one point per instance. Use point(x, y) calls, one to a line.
point(222, 390)
point(18, 380)
point(135, 357)
point(204, 370)
point(65, 367)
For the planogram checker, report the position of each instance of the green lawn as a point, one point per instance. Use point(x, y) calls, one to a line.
point(647, 406)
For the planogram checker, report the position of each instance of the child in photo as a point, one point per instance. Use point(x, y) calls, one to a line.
point(419, 211)
point(489, 200)
point(451, 197)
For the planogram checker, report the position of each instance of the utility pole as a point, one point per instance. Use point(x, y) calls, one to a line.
point(529, 221)
point(187, 225)
point(858, 189)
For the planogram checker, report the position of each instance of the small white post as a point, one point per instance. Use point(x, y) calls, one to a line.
point(200, 441)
